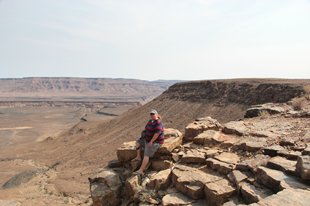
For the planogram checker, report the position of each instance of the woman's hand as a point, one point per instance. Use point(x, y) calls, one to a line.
point(149, 144)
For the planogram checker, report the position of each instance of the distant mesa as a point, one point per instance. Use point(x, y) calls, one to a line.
point(81, 89)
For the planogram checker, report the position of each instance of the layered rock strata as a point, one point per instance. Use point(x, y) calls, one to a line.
point(262, 160)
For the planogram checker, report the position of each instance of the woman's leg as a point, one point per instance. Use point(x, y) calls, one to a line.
point(144, 163)
point(138, 157)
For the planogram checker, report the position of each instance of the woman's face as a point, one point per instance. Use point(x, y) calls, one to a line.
point(153, 116)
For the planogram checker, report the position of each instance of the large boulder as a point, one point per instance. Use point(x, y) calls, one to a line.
point(160, 180)
point(105, 188)
point(127, 151)
point(133, 185)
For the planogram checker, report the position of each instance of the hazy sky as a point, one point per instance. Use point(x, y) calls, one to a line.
point(155, 39)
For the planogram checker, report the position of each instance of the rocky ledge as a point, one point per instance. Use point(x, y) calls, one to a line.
point(263, 160)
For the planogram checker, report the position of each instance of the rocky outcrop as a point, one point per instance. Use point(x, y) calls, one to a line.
point(105, 188)
point(23, 177)
point(248, 92)
point(258, 161)
point(263, 109)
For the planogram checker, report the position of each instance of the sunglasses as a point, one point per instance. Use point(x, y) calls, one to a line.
point(152, 113)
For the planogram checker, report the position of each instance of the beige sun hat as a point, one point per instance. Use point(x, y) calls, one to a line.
point(153, 111)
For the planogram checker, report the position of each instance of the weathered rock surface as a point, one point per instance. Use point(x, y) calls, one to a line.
point(21, 178)
point(194, 156)
point(176, 199)
point(303, 167)
point(292, 197)
point(173, 138)
point(105, 188)
point(158, 165)
point(277, 180)
point(236, 177)
point(133, 185)
point(190, 181)
point(263, 109)
point(258, 161)
point(200, 125)
point(218, 192)
point(127, 151)
point(160, 180)
point(252, 194)
point(280, 163)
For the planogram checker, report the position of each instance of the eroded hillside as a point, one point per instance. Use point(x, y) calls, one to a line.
point(75, 155)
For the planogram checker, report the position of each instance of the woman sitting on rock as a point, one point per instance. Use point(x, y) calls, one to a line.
point(151, 139)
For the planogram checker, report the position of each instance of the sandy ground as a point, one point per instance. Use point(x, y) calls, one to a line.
point(24, 136)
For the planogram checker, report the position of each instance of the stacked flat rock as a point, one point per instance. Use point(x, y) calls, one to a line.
point(262, 160)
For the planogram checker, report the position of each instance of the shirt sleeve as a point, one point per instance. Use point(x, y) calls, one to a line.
point(159, 128)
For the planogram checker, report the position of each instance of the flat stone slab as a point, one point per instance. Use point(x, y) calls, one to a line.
point(219, 166)
point(236, 128)
point(252, 144)
point(212, 152)
point(237, 177)
point(253, 163)
point(200, 125)
point(176, 199)
point(193, 156)
point(272, 150)
point(282, 164)
point(252, 194)
point(206, 138)
point(218, 192)
point(294, 197)
point(289, 154)
point(212, 138)
point(230, 158)
point(277, 180)
point(190, 181)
